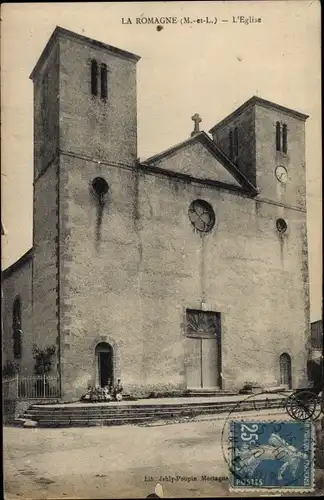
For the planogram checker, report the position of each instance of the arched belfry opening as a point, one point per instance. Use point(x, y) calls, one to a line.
point(104, 364)
point(285, 370)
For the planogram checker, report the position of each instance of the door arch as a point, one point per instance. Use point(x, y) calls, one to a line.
point(285, 370)
point(105, 364)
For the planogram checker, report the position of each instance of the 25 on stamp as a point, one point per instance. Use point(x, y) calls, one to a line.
point(271, 455)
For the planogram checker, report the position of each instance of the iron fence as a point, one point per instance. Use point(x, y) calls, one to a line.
point(31, 387)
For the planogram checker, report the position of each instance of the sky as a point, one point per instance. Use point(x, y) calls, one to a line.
point(185, 68)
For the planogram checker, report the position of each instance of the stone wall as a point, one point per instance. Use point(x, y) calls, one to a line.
point(45, 259)
point(90, 126)
point(45, 216)
point(243, 269)
point(129, 279)
point(15, 408)
point(100, 255)
point(46, 112)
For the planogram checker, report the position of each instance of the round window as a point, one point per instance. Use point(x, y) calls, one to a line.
point(281, 225)
point(202, 216)
point(100, 186)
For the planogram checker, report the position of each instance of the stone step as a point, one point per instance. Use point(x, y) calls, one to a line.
point(95, 422)
point(120, 408)
point(54, 409)
point(95, 411)
point(113, 406)
point(209, 392)
point(123, 409)
point(77, 416)
point(113, 420)
point(38, 417)
point(79, 422)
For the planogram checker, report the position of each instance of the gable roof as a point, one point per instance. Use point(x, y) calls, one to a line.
point(18, 264)
point(209, 144)
point(261, 102)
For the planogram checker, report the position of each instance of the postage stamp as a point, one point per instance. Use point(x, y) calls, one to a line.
point(270, 455)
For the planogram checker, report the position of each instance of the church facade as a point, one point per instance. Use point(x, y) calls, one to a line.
point(186, 271)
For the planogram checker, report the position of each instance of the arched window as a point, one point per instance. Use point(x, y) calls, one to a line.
point(285, 370)
point(16, 328)
point(103, 77)
point(94, 77)
point(278, 136)
point(231, 150)
point(284, 139)
point(236, 148)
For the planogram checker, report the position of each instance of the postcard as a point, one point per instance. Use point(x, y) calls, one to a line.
point(161, 249)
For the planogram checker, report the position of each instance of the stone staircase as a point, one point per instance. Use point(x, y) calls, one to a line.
point(94, 414)
point(208, 392)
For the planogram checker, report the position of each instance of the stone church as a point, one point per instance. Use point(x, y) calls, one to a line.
point(186, 271)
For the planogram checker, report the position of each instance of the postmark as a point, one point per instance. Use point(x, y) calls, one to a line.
point(271, 455)
point(252, 402)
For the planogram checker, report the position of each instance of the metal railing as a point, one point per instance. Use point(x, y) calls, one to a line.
point(31, 387)
point(10, 388)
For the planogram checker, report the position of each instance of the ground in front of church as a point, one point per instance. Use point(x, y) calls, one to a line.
point(120, 462)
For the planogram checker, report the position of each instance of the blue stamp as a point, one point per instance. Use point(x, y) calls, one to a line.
point(273, 455)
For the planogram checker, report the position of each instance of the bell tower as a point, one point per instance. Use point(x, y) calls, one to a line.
point(85, 135)
point(266, 141)
point(85, 100)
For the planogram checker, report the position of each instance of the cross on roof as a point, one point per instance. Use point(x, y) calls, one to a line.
point(196, 119)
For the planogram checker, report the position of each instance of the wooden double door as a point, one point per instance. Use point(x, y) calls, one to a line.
point(203, 350)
